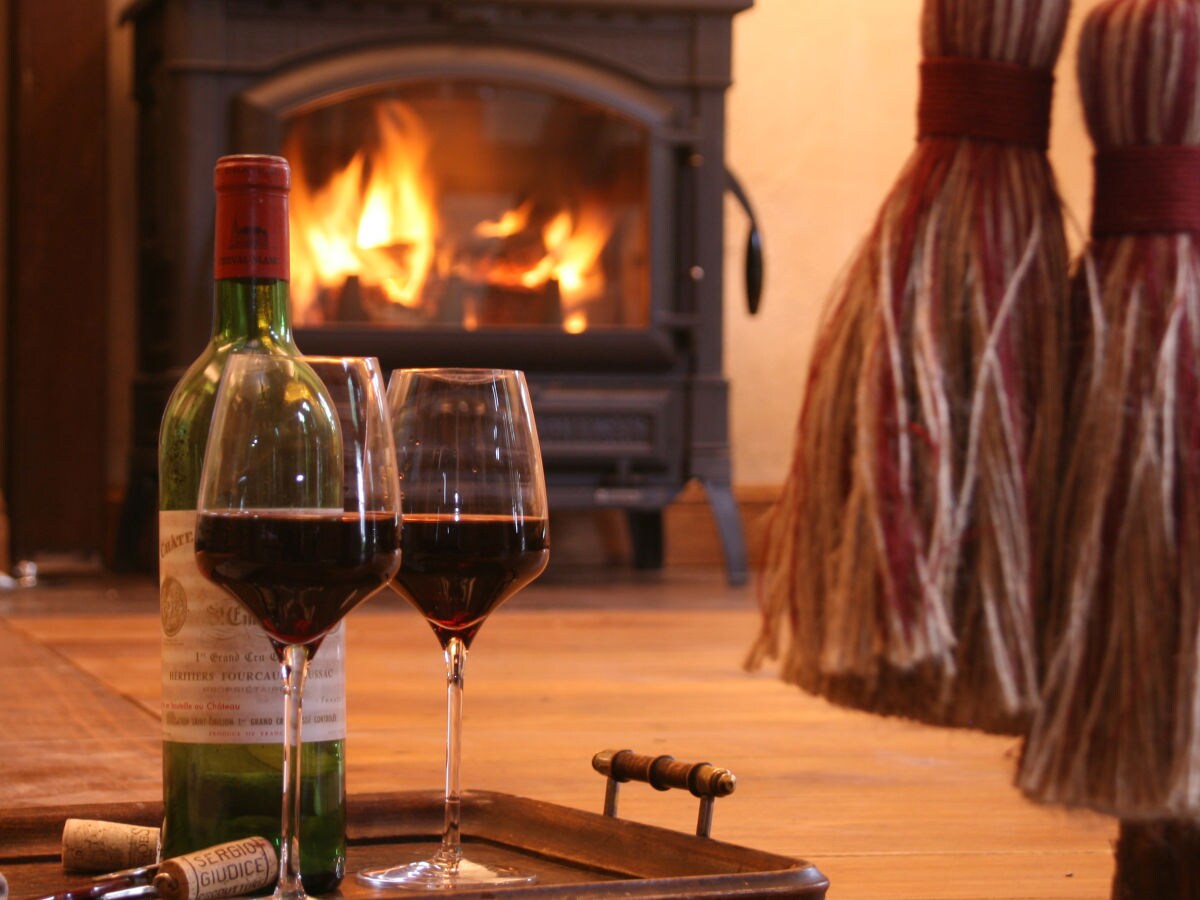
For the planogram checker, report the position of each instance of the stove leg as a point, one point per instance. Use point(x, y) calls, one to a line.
point(728, 519)
point(646, 536)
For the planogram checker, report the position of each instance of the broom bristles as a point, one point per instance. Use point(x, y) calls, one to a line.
point(900, 560)
point(1117, 731)
point(1119, 728)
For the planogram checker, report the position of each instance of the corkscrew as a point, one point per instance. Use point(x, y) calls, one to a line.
point(123, 885)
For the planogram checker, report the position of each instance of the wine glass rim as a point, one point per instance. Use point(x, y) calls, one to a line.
point(255, 358)
point(460, 373)
point(337, 359)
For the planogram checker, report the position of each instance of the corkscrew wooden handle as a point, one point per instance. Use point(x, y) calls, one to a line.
point(662, 773)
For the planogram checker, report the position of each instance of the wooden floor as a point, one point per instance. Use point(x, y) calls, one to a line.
point(584, 660)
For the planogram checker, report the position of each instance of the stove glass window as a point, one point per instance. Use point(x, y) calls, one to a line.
point(470, 205)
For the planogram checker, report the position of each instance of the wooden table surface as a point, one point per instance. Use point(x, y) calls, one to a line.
point(580, 662)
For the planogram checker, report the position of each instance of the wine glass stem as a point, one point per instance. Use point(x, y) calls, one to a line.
point(295, 669)
point(456, 661)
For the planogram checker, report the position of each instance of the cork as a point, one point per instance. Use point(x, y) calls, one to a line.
point(93, 845)
point(226, 870)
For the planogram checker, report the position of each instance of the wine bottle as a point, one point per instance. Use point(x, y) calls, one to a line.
point(221, 686)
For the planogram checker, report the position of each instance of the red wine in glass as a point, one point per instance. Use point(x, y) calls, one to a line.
point(457, 569)
point(475, 532)
point(298, 573)
point(298, 518)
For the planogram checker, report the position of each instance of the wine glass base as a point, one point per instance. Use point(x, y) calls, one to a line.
point(433, 875)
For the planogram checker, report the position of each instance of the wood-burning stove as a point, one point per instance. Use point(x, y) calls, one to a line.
point(528, 183)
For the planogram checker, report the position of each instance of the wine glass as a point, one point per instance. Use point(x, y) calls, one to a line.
point(475, 533)
point(298, 518)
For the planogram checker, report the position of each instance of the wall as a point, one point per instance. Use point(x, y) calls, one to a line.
point(821, 118)
point(5, 89)
point(55, 375)
point(122, 244)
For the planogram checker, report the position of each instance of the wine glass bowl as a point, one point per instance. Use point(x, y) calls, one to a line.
point(298, 517)
point(474, 501)
point(475, 532)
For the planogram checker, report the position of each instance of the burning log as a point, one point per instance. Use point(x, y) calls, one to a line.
point(477, 304)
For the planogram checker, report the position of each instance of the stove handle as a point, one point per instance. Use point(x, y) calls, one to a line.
point(754, 249)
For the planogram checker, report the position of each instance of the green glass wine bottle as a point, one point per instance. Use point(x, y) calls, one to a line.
point(222, 700)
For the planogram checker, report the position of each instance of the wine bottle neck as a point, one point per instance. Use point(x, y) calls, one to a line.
point(253, 312)
point(250, 252)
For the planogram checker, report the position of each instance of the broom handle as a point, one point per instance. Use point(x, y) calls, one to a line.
point(1157, 859)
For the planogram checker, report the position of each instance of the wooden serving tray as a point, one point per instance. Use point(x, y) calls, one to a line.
point(574, 853)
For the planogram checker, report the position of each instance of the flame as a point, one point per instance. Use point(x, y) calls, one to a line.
point(374, 219)
point(512, 222)
point(574, 247)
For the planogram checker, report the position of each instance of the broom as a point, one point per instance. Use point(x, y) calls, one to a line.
point(900, 558)
point(1119, 727)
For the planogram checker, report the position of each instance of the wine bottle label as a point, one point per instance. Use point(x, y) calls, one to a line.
point(252, 234)
point(221, 680)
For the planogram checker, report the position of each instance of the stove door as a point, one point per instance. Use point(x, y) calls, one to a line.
point(476, 205)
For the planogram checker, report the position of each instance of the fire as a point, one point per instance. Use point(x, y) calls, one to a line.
point(376, 222)
point(570, 261)
point(512, 222)
point(373, 220)
point(574, 248)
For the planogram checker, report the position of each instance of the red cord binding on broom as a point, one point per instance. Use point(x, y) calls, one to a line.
point(985, 100)
point(1146, 189)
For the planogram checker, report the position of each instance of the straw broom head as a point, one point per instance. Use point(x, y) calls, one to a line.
point(1119, 729)
point(900, 559)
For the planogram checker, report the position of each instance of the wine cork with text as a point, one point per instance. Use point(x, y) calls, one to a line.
point(226, 870)
point(93, 845)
